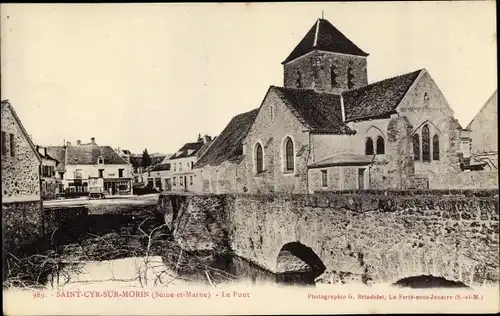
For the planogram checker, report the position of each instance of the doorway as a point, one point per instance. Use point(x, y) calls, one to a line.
point(361, 179)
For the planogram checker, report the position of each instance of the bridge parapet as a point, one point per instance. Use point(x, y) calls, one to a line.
point(371, 236)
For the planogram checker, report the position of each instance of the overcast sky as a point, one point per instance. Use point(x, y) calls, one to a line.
point(154, 76)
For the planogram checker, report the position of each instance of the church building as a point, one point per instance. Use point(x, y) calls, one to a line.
point(328, 128)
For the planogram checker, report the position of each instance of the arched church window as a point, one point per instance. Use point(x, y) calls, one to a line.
point(380, 145)
point(369, 146)
point(289, 154)
point(299, 79)
point(435, 147)
point(259, 159)
point(333, 76)
point(426, 146)
point(416, 147)
point(350, 78)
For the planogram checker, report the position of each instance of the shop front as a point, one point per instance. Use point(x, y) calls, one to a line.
point(118, 186)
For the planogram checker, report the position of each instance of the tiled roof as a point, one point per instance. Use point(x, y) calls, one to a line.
point(85, 155)
point(157, 159)
point(343, 159)
point(204, 148)
point(228, 146)
point(321, 112)
point(377, 99)
point(160, 167)
point(324, 36)
point(184, 150)
point(58, 153)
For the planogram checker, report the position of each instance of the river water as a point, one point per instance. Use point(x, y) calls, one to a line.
point(154, 271)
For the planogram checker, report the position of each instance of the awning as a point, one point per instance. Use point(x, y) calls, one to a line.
point(343, 159)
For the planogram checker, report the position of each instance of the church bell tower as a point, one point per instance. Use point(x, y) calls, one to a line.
point(325, 60)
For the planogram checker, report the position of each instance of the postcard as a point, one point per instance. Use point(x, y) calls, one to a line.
point(249, 158)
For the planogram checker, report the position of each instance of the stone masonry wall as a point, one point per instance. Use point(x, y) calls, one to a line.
point(271, 134)
point(20, 173)
point(376, 238)
point(197, 222)
point(315, 69)
point(22, 223)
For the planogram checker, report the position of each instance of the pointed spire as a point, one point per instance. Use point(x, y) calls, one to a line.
point(324, 36)
point(322, 15)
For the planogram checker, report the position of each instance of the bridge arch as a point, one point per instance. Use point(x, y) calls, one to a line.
point(295, 257)
point(428, 281)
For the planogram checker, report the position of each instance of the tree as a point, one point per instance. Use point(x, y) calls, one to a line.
point(146, 159)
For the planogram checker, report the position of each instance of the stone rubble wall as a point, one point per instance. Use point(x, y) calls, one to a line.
point(364, 237)
point(22, 223)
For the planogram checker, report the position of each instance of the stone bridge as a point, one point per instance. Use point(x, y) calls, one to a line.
point(374, 237)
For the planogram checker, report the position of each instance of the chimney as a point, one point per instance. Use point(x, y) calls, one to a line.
point(92, 140)
point(68, 143)
point(206, 139)
point(78, 142)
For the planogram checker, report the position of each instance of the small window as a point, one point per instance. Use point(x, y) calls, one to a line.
point(289, 154)
point(369, 146)
point(299, 80)
point(101, 173)
point(174, 181)
point(78, 173)
point(120, 173)
point(416, 147)
point(380, 145)
point(324, 178)
point(426, 97)
point(192, 165)
point(190, 180)
point(181, 182)
point(4, 143)
point(12, 145)
point(259, 159)
point(350, 78)
point(333, 76)
point(435, 147)
point(174, 166)
point(180, 167)
point(100, 161)
point(426, 150)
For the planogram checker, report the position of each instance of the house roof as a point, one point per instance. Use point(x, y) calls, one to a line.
point(160, 167)
point(320, 112)
point(492, 100)
point(228, 146)
point(324, 36)
point(46, 156)
point(58, 153)
point(184, 150)
point(86, 155)
point(377, 99)
point(6, 105)
point(343, 159)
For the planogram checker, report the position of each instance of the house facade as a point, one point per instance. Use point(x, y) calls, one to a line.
point(219, 169)
point(49, 181)
point(483, 131)
point(22, 217)
point(183, 175)
point(159, 176)
point(327, 128)
point(82, 162)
